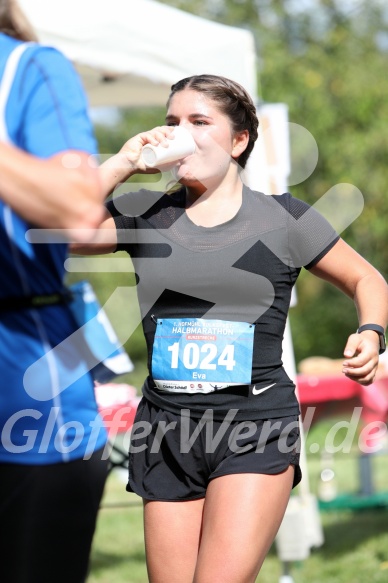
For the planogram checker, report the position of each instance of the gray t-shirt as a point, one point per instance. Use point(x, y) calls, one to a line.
point(203, 283)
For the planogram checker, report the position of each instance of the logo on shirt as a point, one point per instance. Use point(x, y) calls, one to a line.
point(258, 391)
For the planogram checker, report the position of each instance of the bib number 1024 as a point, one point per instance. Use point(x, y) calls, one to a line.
point(203, 357)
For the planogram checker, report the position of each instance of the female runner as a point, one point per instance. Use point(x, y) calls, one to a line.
point(214, 450)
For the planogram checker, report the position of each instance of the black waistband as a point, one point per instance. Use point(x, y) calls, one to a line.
point(36, 301)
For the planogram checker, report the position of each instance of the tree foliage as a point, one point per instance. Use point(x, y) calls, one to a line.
point(328, 63)
point(333, 80)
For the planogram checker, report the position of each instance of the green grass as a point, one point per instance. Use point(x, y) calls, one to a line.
point(118, 550)
point(355, 548)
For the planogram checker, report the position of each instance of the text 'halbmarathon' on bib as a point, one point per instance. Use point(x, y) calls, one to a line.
point(201, 356)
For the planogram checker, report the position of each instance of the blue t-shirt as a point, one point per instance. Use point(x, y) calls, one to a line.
point(51, 416)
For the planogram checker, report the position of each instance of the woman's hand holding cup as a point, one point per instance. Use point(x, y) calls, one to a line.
point(131, 152)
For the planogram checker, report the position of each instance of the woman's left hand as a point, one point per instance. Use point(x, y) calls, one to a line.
point(362, 357)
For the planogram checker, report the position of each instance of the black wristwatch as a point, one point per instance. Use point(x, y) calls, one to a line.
point(379, 330)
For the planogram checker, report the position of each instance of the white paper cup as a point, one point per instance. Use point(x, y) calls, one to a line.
point(161, 157)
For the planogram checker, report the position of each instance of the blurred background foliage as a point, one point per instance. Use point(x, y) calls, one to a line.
point(327, 60)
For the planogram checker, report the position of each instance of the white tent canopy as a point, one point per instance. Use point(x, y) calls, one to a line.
point(129, 52)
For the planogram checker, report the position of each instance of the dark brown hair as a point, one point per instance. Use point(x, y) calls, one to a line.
point(14, 23)
point(231, 99)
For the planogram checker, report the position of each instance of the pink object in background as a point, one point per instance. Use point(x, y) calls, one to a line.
point(117, 404)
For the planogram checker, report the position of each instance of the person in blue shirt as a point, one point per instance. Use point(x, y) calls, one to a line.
point(52, 440)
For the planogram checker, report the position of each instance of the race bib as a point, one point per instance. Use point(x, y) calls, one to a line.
point(201, 356)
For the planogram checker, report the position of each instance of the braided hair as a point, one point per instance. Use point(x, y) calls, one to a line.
point(231, 99)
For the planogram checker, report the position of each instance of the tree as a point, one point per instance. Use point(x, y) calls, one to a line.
point(329, 81)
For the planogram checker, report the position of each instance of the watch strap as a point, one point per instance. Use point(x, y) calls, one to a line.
point(379, 330)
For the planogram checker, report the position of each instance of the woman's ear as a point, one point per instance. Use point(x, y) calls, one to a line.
point(240, 142)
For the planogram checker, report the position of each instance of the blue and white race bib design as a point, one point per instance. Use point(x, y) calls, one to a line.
point(201, 356)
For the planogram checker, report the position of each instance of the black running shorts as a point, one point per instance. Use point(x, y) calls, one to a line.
point(173, 457)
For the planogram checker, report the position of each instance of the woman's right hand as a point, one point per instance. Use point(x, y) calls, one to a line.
point(128, 161)
point(131, 150)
